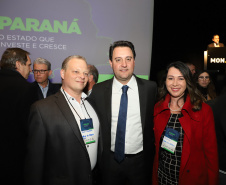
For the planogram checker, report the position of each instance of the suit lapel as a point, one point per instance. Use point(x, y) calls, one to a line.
point(49, 92)
point(39, 91)
point(69, 117)
point(108, 101)
point(143, 101)
point(186, 125)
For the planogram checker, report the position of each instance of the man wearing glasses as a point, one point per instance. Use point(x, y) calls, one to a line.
point(42, 70)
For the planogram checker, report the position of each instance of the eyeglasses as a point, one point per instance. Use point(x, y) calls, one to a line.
point(204, 77)
point(39, 71)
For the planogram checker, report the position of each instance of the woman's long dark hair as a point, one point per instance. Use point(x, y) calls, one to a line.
point(195, 96)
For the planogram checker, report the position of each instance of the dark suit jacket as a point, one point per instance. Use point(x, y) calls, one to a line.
point(53, 88)
point(101, 97)
point(56, 150)
point(16, 97)
point(212, 45)
point(219, 109)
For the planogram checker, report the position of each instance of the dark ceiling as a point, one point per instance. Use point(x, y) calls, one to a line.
point(183, 30)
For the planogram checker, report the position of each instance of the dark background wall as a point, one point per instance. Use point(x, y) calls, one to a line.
point(183, 30)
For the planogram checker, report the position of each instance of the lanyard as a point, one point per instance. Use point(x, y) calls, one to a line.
point(73, 106)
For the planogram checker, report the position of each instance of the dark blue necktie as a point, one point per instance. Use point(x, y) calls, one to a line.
point(121, 127)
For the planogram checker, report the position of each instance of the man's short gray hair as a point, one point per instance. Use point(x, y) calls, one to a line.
point(43, 61)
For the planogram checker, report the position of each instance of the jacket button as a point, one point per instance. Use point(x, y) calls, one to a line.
point(188, 171)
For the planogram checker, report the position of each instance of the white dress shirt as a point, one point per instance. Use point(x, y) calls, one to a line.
point(81, 111)
point(215, 45)
point(134, 134)
point(44, 89)
point(89, 92)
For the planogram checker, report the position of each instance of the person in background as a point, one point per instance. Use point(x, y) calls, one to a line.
point(216, 40)
point(16, 97)
point(93, 79)
point(191, 67)
point(205, 85)
point(63, 132)
point(185, 138)
point(219, 110)
point(125, 105)
point(42, 70)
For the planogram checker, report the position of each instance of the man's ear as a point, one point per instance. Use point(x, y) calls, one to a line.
point(18, 66)
point(50, 72)
point(110, 62)
point(62, 71)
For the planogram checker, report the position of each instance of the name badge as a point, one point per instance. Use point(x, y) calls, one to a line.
point(87, 130)
point(170, 140)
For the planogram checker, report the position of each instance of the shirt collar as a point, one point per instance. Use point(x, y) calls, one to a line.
point(89, 92)
point(69, 97)
point(118, 86)
point(44, 87)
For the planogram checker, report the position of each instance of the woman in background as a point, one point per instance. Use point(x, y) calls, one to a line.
point(205, 85)
point(185, 139)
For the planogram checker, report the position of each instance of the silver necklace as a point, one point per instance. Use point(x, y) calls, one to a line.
point(177, 109)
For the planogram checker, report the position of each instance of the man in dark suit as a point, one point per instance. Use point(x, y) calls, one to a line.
point(42, 70)
point(16, 96)
point(215, 43)
point(129, 161)
point(219, 108)
point(63, 132)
